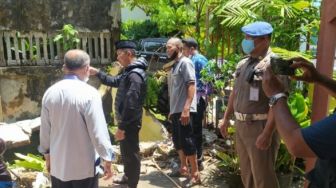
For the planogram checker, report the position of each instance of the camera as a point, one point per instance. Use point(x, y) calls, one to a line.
point(282, 66)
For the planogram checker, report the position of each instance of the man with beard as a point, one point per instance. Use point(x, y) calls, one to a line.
point(182, 92)
point(131, 84)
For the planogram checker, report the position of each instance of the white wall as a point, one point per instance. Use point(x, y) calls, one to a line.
point(135, 14)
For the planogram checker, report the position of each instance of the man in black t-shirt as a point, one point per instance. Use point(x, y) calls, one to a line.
point(317, 140)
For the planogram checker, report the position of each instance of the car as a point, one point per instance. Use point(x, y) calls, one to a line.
point(154, 51)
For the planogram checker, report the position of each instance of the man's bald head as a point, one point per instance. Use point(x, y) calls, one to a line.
point(176, 42)
point(76, 59)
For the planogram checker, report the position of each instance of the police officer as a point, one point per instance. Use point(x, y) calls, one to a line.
point(256, 141)
point(129, 101)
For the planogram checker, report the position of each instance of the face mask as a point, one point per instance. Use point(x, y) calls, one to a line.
point(248, 46)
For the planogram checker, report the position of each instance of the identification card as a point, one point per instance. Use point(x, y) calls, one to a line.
point(254, 94)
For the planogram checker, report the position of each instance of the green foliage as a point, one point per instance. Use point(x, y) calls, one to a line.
point(287, 17)
point(26, 46)
point(152, 91)
point(300, 108)
point(229, 162)
point(68, 37)
point(175, 16)
point(286, 54)
point(154, 84)
point(135, 30)
point(29, 162)
point(285, 161)
point(219, 76)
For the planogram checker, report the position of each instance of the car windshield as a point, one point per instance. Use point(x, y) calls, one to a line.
point(155, 47)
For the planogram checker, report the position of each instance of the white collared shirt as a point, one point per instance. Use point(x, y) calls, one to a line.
point(73, 129)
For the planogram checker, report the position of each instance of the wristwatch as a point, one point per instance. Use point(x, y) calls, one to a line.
point(275, 98)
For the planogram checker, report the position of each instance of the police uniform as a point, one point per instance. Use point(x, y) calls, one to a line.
point(251, 107)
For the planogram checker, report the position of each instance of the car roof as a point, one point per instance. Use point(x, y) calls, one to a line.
point(155, 39)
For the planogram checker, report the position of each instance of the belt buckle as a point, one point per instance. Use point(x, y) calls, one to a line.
point(249, 118)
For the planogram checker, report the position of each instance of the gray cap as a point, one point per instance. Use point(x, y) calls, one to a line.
point(190, 42)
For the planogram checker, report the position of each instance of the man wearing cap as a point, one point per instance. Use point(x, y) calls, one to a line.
point(190, 49)
point(73, 132)
point(131, 84)
point(257, 142)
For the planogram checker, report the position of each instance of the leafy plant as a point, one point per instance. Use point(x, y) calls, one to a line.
point(68, 37)
point(29, 161)
point(229, 162)
point(154, 83)
point(287, 17)
point(135, 30)
point(219, 75)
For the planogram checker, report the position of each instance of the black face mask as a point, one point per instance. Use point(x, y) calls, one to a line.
point(171, 58)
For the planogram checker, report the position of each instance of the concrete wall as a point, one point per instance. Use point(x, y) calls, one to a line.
point(22, 89)
point(50, 15)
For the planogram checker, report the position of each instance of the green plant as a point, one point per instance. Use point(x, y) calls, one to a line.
point(68, 37)
point(29, 162)
point(219, 76)
point(229, 162)
point(287, 17)
point(154, 83)
point(135, 30)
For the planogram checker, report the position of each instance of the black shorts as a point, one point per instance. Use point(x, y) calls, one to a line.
point(183, 138)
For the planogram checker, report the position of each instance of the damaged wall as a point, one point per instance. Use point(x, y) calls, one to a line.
point(51, 15)
point(22, 89)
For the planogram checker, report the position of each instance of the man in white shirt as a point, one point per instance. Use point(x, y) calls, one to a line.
point(73, 131)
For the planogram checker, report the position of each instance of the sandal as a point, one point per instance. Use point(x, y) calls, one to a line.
point(179, 173)
point(195, 180)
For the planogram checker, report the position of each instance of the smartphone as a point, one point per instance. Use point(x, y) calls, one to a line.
point(281, 66)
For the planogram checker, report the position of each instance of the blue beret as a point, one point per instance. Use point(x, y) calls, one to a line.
point(257, 29)
point(125, 44)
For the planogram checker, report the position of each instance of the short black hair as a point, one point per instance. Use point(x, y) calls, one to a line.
point(190, 42)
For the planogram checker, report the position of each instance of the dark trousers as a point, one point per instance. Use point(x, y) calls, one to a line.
point(129, 148)
point(182, 136)
point(197, 128)
point(91, 182)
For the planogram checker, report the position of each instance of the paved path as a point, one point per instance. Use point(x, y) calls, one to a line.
point(151, 177)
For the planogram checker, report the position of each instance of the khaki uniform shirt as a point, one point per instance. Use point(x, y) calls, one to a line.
point(249, 97)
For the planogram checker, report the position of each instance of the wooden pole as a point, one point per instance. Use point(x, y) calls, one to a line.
point(325, 61)
point(1, 115)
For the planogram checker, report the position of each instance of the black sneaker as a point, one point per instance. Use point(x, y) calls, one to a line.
point(120, 180)
point(200, 166)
